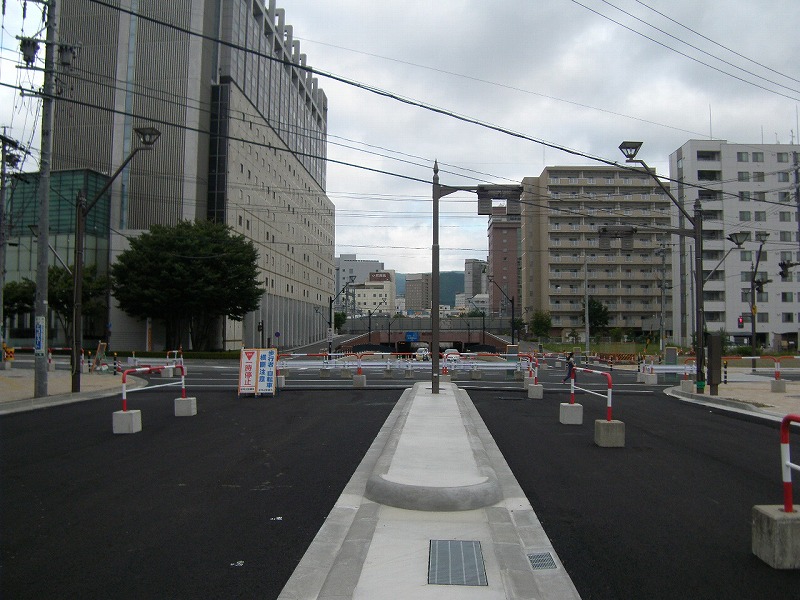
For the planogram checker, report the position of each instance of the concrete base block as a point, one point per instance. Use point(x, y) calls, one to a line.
point(325, 373)
point(570, 414)
point(558, 364)
point(128, 421)
point(650, 379)
point(359, 381)
point(776, 536)
point(387, 373)
point(347, 373)
point(687, 385)
point(280, 381)
point(535, 391)
point(7, 365)
point(445, 378)
point(51, 366)
point(185, 407)
point(778, 386)
point(167, 372)
point(609, 434)
point(639, 377)
point(519, 375)
point(475, 374)
point(409, 373)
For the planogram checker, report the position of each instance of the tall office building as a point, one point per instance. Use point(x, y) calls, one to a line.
point(243, 141)
point(563, 259)
point(752, 189)
point(349, 268)
point(475, 273)
point(504, 264)
point(418, 292)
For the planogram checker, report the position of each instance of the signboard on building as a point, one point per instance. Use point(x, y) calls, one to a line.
point(380, 276)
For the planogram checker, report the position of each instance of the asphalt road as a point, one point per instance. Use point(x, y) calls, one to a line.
point(224, 504)
point(668, 516)
point(220, 505)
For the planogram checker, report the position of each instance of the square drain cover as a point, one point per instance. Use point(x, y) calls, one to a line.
point(542, 560)
point(456, 562)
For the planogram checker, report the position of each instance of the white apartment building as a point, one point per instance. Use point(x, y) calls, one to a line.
point(563, 262)
point(377, 294)
point(749, 188)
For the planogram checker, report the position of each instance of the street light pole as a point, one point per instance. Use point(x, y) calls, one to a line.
point(762, 238)
point(630, 149)
point(147, 136)
point(331, 300)
point(512, 307)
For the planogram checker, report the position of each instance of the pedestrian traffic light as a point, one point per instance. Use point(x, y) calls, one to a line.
point(261, 325)
point(741, 322)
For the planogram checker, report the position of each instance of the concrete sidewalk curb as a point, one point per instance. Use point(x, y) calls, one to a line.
point(723, 402)
point(27, 404)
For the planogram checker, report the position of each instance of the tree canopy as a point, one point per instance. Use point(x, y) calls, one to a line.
point(541, 323)
point(598, 316)
point(191, 274)
point(61, 292)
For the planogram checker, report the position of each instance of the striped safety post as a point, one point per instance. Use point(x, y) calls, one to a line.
point(786, 463)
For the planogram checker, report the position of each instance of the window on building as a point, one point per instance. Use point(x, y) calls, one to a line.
point(783, 176)
point(783, 157)
point(760, 215)
point(758, 157)
point(783, 197)
point(746, 255)
point(744, 215)
point(742, 157)
point(785, 216)
point(744, 196)
point(758, 176)
point(787, 296)
point(744, 175)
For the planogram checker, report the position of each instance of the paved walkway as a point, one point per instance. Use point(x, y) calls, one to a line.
point(17, 388)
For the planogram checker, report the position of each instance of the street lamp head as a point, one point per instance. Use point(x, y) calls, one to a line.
point(761, 236)
point(630, 149)
point(147, 135)
point(739, 238)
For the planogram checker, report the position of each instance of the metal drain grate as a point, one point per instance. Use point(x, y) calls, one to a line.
point(542, 560)
point(456, 562)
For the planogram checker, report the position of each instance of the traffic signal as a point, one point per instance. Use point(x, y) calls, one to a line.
point(261, 325)
point(741, 322)
point(784, 270)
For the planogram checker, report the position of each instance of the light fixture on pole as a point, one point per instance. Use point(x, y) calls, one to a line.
point(331, 300)
point(629, 150)
point(511, 193)
point(491, 279)
point(756, 286)
point(147, 137)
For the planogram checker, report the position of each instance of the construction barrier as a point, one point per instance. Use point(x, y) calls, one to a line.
point(149, 370)
point(786, 462)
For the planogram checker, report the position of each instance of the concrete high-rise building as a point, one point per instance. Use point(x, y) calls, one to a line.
point(503, 264)
point(377, 294)
point(475, 274)
point(748, 188)
point(350, 268)
point(418, 292)
point(243, 141)
point(562, 211)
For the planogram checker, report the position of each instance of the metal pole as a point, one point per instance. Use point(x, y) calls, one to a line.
point(3, 237)
point(698, 290)
point(330, 325)
point(586, 304)
point(435, 283)
point(77, 290)
point(43, 240)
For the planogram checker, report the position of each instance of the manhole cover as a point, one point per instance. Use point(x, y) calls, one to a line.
point(456, 562)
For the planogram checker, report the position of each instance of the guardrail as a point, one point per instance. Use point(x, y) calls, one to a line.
point(786, 463)
point(150, 370)
point(573, 387)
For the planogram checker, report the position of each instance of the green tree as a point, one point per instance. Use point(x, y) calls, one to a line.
point(60, 296)
point(18, 297)
point(192, 273)
point(541, 323)
point(339, 319)
point(598, 316)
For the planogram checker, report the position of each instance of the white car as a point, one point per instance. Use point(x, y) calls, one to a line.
point(422, 354)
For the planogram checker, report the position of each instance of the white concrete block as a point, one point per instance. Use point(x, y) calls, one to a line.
point(127, 421)
point(185, 407)
point(777, 386)
point(609, 434)
point(570, 414)
point(776, 536)
point(359, 381)
point(535, 391)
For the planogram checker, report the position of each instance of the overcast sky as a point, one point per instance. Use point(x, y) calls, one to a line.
point(577, 74)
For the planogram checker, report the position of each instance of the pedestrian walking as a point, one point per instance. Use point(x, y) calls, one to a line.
point(570, 367)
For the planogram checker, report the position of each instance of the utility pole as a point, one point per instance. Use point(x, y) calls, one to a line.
point(45, 159)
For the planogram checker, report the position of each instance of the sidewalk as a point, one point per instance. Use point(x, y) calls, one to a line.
point(17, 388)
